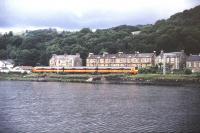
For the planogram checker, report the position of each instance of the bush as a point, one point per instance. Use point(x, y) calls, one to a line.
point(148, 70)
point(143, 70)
point(197, 74)
point(177, 71)
point(187, 71)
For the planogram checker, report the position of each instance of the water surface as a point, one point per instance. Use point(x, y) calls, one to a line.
point(74, 107)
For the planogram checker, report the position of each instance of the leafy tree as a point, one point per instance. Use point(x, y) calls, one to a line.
point(3, 54)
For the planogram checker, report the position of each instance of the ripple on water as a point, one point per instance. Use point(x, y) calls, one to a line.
point(72, 107)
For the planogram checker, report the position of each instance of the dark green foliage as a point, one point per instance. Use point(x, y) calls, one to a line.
point(187, 71)
point(3, 54)
point(180, 31)
point(177, 71)
point(148, 70)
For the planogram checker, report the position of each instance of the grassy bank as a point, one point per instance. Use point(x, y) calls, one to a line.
point(157, 79)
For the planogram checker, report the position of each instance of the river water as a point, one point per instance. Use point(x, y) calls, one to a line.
point(36, 107)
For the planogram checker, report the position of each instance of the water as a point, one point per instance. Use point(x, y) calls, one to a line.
point(52, 107)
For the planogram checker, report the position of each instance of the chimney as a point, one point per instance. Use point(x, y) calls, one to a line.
point(65, 54)
point(162, 53)
point(90, 54)
point(137, 52)
point(154, 53)
point(77, 54)
point(105, 53)
point(120, 52)
point(54, 55)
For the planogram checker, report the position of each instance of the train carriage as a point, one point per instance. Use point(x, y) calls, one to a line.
point(84, 70)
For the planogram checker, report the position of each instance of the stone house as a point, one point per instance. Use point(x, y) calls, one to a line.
point(173, 60)
point(65, 60)
point(141, 60)
point(193, 63)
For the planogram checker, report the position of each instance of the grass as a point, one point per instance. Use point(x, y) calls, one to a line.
point(166, 77)
point(109, 77)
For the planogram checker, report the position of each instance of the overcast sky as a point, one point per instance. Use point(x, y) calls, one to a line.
point(76, 14)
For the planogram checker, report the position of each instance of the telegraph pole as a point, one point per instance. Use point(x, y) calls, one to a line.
point(164, 64)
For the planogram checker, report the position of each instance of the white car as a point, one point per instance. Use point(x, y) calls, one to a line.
point(19, 70)
point(4, 70)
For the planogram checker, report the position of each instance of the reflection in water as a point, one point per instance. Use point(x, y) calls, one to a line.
point(73, 107)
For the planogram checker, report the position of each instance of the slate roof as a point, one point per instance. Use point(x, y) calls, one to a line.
point(171, 54)
point(138, 55)
point(64, 57)
point(193, 58)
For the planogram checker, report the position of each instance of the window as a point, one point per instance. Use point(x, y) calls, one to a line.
point(189, 64)
point(195, 64)
point(172, 59)
point(167, 60)
point(112, 60)
point(147, 59)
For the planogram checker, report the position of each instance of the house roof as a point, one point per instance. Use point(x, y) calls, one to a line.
point(171, 54)
point(193, 58)
point(64, 57)
point(121, 55)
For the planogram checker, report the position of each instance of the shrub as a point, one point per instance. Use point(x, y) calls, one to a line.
point(148, 70)
point(198, 74)
point(177, 71)
point(187, 71)
point(143, 70)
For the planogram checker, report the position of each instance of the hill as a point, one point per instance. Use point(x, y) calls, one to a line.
point(180, 32)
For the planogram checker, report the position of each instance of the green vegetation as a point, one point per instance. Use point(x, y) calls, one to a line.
point(149, 79)
point(149, 70)
point(180, 31)
point(187, 71)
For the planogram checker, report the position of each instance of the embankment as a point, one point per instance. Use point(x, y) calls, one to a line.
point(142, 79)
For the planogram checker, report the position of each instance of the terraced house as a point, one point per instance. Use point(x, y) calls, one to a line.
point(141, 60)
point(65, 60)
point(193, 63)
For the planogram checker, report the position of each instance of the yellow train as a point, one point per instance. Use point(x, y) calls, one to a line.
point(83, 70)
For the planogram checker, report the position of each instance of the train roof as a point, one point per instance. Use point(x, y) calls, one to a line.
point(82, 67)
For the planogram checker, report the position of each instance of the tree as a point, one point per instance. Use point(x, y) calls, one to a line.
point(3, 54)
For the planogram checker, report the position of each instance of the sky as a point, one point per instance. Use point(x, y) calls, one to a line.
point(94, 14)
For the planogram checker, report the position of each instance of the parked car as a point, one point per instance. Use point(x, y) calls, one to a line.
point(4, 70)
point(19, 70)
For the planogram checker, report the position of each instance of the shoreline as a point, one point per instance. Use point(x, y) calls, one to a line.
point(140, 79)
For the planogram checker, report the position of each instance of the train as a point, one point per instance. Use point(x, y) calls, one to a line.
point(85, 70)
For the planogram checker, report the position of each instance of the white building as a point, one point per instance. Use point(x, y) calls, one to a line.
point(7, 63)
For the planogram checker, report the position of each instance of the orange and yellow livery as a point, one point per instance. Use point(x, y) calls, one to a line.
point(84, 70)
